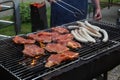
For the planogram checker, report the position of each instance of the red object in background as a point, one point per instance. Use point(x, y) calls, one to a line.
point(38, 5)
point(38, 16)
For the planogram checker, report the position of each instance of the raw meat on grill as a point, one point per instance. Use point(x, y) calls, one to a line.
point(70, 43)
point(21, 40)
point(33, 50)
point(57, 48)
point(56, 59)
point(60, 30)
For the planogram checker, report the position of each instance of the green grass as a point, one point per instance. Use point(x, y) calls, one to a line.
point(26, 28)
point(10, 31)
point(48, 15)
point(103, 0)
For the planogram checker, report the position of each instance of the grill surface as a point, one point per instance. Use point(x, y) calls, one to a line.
point(13, 60)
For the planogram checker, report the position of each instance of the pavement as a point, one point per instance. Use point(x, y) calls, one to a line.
point(109, 15)
point(114, 74)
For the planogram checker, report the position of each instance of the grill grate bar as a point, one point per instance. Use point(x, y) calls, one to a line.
point(29, 71)
point(100, 51)
point(118, 39)
point(11, 64)
point(8, 60)
point(21, 69)
point(30, 77)
point(97, 49)
point(18, 66)
point(32, 68)
point(32, 74)
point(25, 74)
point(7, 57)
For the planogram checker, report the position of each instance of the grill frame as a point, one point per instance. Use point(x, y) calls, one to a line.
point(53, 71)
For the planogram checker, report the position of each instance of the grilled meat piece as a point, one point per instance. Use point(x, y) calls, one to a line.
point(32, 36)
point(44, 33)
point(33, 50)
point(71, 55)
point(64, 37)
point(44, 39)
point(54, 47)
point(73, 44)
point(21, 40)
point(60, 30)
point(54, 35)
point(47, 37)
point(41, 37)
point(63, 42)
point(70, 43)
point(56, 59)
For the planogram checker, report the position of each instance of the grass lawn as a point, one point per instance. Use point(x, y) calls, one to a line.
point(9, 30)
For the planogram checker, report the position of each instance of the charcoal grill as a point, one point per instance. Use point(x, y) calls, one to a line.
point(12, 59)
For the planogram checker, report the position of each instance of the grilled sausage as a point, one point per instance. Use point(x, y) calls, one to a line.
point(78, 37)
point(81, 24)
point(92, 26)
point(84, 33)
point(105, 34)
point(93, 33)
point(73, 27)
point(90, 30)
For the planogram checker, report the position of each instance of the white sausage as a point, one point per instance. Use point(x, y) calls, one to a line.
point(93, 32)
point(81, 24)
point(90, 30)
point(78, 38)
point(91, 26)
point(73, 27)
point(105, 34)
point(83, 33)
point(82, 38)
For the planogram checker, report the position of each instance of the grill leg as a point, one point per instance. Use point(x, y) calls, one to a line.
point(101, 77)
point(105, 75)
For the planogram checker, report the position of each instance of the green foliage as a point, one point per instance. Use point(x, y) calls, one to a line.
point(48, 15)
point(10, 31)
point(25, 11)
point(9, 18)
